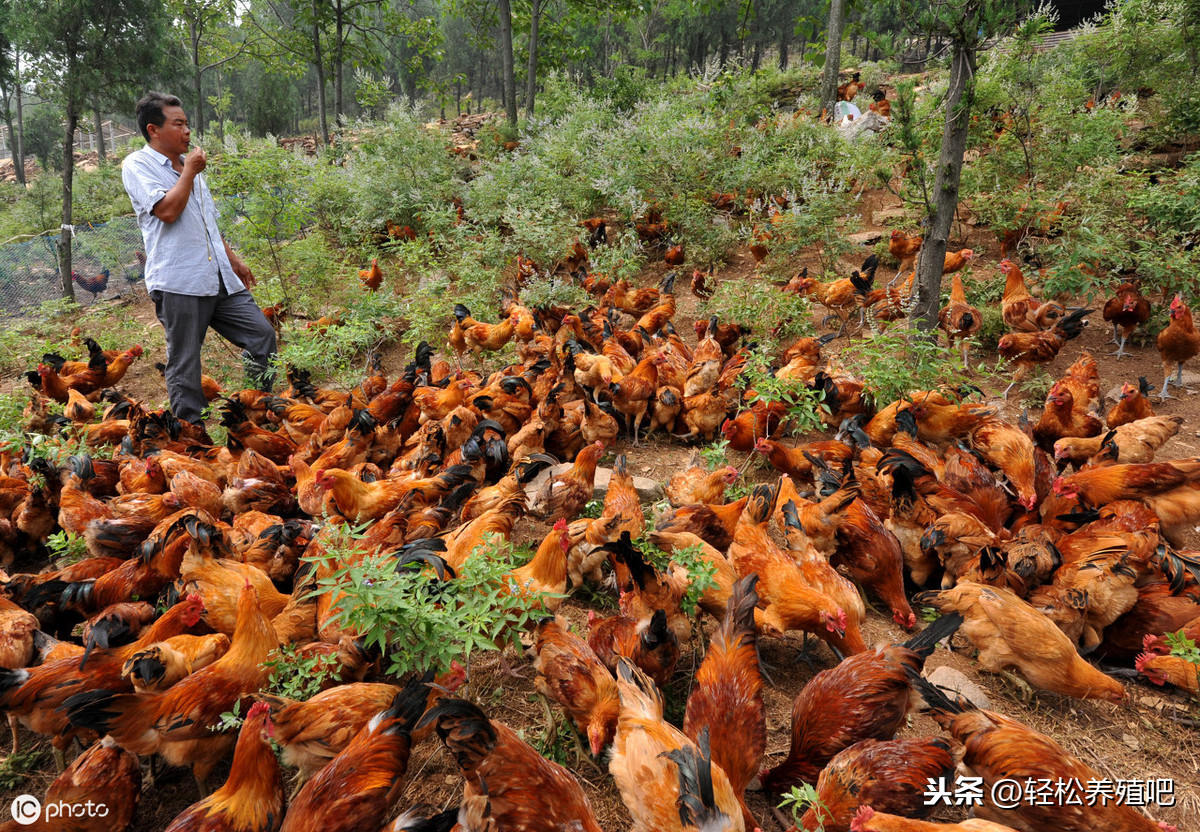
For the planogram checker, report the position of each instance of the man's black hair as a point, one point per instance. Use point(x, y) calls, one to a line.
point(150, 110)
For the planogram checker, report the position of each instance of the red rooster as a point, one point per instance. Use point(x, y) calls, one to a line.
point(95, 284)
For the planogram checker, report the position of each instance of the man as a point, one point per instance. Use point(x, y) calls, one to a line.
point(193, 276)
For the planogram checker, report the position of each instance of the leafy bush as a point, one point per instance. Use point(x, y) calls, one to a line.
point(1172, 206)
point(624, 89)
point(894, 363)
point(1183, 647)
point(806, 406)
point(11, 420)
point(700, 573)
point(17, 768)
point(333, 354)
point(420, 622)
point(96, 196)
point(392, 170)
point(774, 317)
point(66, 548)
point(799, 799)
point(713, 454)
point(268, 188)
point(544, 290)
point(297, 676)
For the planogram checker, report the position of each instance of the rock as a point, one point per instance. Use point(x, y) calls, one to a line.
point(648, 490)
point(867, 238)
point(950, 679)
point(871, 122)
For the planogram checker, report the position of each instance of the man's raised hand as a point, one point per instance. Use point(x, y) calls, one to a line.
point(196, 160)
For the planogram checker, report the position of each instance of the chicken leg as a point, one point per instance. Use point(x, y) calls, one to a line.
point(1024, 689)
point(14, 725)
point(1120, 353)
point(1163, 395)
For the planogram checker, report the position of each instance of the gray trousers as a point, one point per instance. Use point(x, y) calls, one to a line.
point(186, 318)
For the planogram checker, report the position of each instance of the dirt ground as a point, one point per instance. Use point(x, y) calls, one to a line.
point(1152, 735)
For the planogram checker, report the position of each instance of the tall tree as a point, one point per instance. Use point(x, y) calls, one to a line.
point(98, 118)
point(292, 32)
point(833, 55)
point(10, 89)
point(205, 31)
point(967, 24)
point(531, 73)
point(80, 46)
point(362, 33)
point(508, 75)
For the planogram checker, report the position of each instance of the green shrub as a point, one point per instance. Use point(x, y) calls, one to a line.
point(799, 799)
point(1172, 206)
point(12, 422)
point(894, 363)
point(366, 324)
point(392, 170)
point(774, 317)
point(1183, 647)
point(806, 406)
point(420, 622)
point(16, 769)
point(66, 548)
point(297, 676)
point(700, 573)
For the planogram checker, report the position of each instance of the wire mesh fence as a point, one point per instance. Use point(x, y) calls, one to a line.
point(107, 261)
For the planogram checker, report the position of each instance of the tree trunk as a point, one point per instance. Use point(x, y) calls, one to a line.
point(339, 105)
point(480, 83)
point(833, 54)
point(68, 175)
point(220, 116)
point(197, 78)
point(508, 81)
point(19, 145)
point(531, 80)
point(604, 46)
point(756, 57)
point(12, 137)
point(783, 52)
point(319, 62)
point(101, 156)
point(945, 187)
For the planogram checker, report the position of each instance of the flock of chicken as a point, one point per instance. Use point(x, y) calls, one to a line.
point(932, 499)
